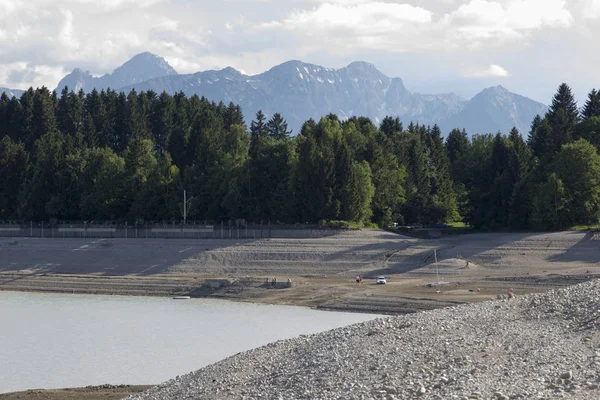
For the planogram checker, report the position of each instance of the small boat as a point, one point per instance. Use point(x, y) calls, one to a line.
point(181, 297)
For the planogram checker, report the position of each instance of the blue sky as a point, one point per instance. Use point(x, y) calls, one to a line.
point(528, 46)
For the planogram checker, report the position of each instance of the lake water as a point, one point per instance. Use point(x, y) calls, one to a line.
point(56, 341)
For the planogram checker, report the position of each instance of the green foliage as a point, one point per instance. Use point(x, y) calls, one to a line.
point(14, 168)
point(117, 156)
point(578, 166)
point(391, 126)
point(338, 224)
point(360, 191)
point(549, 204)
point(456, 144)
point(592, 105)
point(103, 185)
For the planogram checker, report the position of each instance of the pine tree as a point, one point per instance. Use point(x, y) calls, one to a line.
point(534, 141)
point(315, 177)
point(258, 134)
point(344, 160)
point(456, 145)
point(562, 117)
point(43, 119)
point(519, 156)
point(444, 199)
point(123, 133)
point(14, 170)
point(179, 138)
point(162, 122)
point(94, 106)
point(419, 201)
point(592, 106)
point(110, 133)
point(277, 128)
point(233, 116)
point(4, 116)
point(71, 117)
point(391, 126)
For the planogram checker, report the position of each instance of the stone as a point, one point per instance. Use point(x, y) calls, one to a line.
point(567, 375)
point(390, 390)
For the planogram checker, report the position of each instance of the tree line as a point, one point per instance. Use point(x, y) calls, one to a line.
point(108, 156)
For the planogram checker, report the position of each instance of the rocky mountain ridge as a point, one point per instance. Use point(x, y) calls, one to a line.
point(140, 68)
point(300, 91)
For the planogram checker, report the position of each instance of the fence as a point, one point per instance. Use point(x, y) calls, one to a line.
point(200, 230)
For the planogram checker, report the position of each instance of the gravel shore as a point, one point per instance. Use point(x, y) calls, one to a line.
point(536, 346)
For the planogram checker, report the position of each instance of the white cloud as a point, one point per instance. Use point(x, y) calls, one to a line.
point(341, 27)
point(25, 75)
point(395, 27)
point(424, 39)
point(66, 36)
point(52, 36)
point(591, 9)
point(492, 71)
point(481, 19)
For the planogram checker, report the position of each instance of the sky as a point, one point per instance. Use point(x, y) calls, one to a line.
point(435, 46)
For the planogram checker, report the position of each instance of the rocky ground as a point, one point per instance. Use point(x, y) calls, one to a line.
point(536, 346)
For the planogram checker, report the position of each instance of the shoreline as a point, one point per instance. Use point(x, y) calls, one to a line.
point(322, 270)
point(476, 268)
point(101, 392)
point(400, 296)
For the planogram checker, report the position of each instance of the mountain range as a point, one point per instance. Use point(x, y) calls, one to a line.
point(11, 92)
point(300, 91)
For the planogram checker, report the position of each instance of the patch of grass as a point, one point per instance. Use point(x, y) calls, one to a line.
point(583, 228)
point(343, 224)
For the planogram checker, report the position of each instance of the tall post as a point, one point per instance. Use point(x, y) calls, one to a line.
point(30, 228)
point(184, 207)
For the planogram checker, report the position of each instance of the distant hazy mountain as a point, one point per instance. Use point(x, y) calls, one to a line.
point(140, 68)
point(11, 92)
point(300, 91)
point(496, 109)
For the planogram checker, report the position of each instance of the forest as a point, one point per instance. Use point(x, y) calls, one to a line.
point(118, 157)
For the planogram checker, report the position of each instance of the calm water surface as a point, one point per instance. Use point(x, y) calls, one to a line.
point(57, 341)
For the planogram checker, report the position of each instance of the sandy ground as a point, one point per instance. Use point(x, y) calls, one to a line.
point(472, 267)
point(90, 393)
